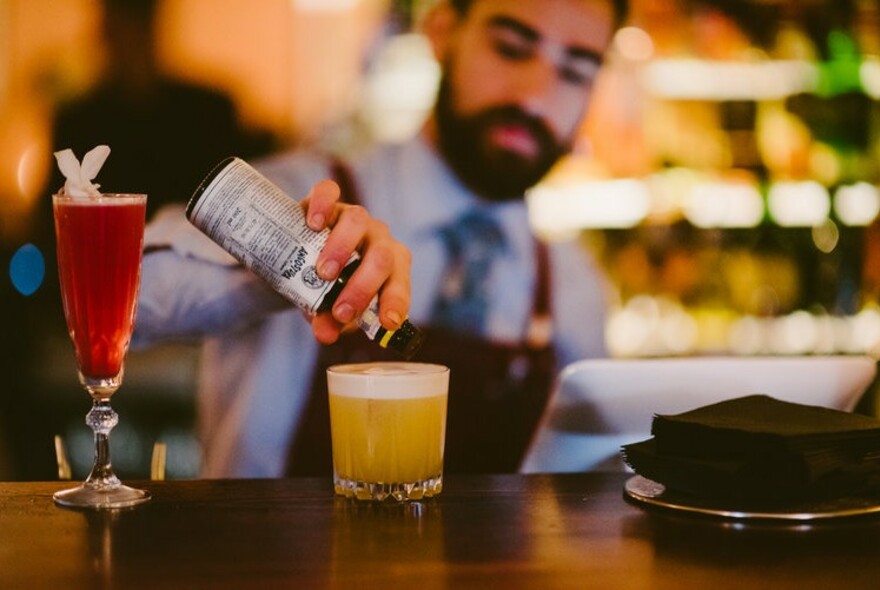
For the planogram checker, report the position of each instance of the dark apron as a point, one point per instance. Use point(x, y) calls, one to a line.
point(497, 392)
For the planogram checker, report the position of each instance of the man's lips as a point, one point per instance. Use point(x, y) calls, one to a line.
point(515, 138)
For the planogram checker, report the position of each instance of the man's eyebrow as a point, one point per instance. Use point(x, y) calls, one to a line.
point(532, 35)
point(519, 27)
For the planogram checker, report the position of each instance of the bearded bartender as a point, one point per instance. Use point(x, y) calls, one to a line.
point(503, 310)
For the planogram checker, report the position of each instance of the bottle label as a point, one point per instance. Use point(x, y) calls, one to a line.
point(369, 321)
point(265, 230)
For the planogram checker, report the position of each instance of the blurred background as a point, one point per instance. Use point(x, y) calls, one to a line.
point(727, 176)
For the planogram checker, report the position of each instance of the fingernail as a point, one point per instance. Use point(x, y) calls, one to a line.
point(394, 317)
point(329, 269)
point(344, 313)
point(317, 221)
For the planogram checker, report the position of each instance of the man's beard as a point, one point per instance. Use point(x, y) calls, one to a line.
point(494, 173)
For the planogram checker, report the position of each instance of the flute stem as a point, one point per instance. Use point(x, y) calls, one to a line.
point(101, 419)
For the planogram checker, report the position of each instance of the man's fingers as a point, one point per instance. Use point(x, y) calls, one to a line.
point(320, 204)
point(347, 235)
point(326, 329)
point(384, 266)
point(395, 298)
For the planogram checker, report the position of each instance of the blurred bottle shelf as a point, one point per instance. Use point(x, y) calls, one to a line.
point(647, 326)
point(722, 200)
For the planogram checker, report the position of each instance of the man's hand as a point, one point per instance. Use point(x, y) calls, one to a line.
point(385, 263)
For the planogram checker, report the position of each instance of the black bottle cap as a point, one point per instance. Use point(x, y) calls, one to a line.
point(406, 340)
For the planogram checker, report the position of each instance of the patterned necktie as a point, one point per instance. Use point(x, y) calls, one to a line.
point(471, 242)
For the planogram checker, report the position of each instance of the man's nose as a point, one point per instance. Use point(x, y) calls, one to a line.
point(536, 87)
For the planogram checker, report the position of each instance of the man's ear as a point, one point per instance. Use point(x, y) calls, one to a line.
point(438, 25)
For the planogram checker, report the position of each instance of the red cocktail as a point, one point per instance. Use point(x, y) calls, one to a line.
point(100, 242)
point(100, 245)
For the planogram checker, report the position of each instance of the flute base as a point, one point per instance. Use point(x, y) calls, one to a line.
point(101, 498)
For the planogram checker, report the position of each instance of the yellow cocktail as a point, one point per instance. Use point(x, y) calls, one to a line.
point(388, 424)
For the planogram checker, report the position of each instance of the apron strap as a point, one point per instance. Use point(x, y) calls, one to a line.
point(341, 173)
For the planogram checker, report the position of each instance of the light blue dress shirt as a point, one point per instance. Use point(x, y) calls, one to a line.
point(259, 354)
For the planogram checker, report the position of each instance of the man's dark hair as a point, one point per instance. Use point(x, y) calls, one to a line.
point(621, 8)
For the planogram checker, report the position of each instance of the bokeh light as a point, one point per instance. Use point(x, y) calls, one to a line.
point(27, 269)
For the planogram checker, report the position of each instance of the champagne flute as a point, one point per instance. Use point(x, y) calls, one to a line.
point(100, 243)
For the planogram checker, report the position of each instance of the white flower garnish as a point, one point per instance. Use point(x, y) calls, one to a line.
point(79, 178)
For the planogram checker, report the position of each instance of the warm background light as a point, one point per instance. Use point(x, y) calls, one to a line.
point(726, 179)
point(273, 57)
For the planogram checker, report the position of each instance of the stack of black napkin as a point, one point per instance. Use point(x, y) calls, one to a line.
point(760, 448)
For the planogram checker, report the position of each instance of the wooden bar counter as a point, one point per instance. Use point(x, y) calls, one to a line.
point(513, 531)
